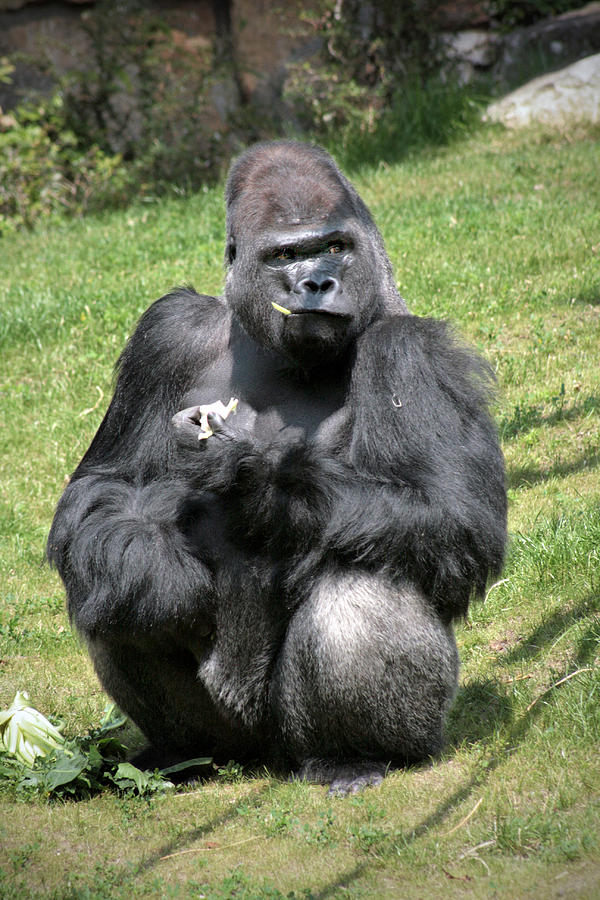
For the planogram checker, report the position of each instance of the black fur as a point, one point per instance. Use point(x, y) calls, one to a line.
point(287, 587)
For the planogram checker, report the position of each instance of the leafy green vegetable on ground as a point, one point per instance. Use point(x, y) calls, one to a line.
point(36, 758)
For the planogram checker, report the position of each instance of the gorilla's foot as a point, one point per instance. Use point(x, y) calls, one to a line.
point(343, 776)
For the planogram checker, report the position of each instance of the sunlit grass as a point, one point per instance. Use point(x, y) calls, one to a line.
point(499, 233)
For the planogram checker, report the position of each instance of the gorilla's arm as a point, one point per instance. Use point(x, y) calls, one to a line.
point(429, 502)
point(118, 537)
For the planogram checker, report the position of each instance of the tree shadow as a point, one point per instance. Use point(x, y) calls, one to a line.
point(587, 645)
point(184, 841)
point(481, 707)
point(588, 295)
point(552, 628)
point(525, 419)
point(521, 476)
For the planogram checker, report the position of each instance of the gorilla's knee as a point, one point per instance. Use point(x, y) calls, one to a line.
point(367, 670)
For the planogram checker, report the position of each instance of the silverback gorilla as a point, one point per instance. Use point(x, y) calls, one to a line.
point(281, 583)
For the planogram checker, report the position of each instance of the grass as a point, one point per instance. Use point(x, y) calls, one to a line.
point(500, 233)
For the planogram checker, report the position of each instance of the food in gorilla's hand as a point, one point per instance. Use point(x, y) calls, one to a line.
point(217, 407)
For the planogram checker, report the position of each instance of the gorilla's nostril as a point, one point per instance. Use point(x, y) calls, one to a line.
point(317, 287)
point(310, 285)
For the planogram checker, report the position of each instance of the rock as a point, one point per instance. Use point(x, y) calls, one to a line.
point(547, 45)
point(469, 52)
point(557, 98)
point(586, 10)
point(511, 59)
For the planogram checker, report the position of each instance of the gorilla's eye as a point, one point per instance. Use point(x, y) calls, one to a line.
point(336, 247)
point(284, 253)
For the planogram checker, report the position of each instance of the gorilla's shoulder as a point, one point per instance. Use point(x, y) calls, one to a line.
point(408, 328)
point(181, 328)
point(404, 348)
point(183, 308)
point(404, 338)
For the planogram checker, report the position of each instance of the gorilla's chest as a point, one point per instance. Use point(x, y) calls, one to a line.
point(274, 402)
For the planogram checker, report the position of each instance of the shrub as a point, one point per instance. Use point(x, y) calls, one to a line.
point(145, 96)
point(369, 52)
point(43, 169)
point(133, 121)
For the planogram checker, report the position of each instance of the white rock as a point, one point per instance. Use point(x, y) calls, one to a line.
point(557, 98)
point(475, 47)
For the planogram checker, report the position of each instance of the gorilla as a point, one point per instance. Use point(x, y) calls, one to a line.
point(276, 576)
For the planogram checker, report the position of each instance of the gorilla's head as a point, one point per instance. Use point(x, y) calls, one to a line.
point(307, 269)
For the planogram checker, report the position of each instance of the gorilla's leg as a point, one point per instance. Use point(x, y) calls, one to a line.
point(200, 688)
point(365, 678)
point(156, 683)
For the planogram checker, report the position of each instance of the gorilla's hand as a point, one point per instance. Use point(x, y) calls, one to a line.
point(187, 426)
point(211, 447)
point(225, 431)
point(192, 424)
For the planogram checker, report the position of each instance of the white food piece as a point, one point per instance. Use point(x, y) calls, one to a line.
point(217, 407)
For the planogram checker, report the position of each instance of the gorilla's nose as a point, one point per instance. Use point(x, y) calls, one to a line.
point(317, 292)
point(317, 286)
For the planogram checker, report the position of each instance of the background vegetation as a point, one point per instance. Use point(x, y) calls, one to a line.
point(139, 120)
point(498, 232)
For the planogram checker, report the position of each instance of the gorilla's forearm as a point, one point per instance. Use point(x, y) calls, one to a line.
point(448, 549)
point(124, 556)
point(431, 503)
point(280, 495)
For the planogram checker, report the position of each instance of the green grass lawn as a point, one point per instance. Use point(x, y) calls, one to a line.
point(499, 233)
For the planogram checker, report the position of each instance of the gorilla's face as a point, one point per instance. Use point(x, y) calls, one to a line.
point(301, 266)
point(307, 280)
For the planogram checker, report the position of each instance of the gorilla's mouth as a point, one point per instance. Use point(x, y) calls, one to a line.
point(320, 313)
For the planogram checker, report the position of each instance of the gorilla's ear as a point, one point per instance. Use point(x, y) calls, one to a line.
point(230, 254)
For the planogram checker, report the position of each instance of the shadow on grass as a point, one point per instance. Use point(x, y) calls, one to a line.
point(526, 418)
point(481, 708)
point(588, 295)
point(183, 842)
point(553, 628)
point(523, 476)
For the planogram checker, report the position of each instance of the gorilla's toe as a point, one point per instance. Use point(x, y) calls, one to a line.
point(343, 777)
